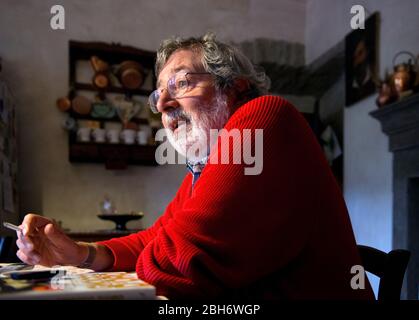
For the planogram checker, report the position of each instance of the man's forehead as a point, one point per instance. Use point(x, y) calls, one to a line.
point(182, 60)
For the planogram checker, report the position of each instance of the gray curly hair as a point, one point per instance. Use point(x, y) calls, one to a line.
point(224, 61)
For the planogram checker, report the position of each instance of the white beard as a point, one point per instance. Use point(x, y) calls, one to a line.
point(193, 137)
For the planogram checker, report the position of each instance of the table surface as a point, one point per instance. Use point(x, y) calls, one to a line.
point(74, 283)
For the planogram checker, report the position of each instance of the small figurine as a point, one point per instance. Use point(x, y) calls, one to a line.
point(107, 206)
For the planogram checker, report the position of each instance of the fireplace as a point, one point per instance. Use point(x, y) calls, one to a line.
point(400, 121)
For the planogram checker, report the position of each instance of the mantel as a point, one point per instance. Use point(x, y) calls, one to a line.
point(400, 121)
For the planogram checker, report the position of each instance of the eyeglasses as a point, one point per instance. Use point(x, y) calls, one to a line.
point(177, 86)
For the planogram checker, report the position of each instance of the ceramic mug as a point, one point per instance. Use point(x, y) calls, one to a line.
point(142, 137)
point(113, 125)
point(113, 135)
point(128, 136)
point(99, 135)
point(83, 134)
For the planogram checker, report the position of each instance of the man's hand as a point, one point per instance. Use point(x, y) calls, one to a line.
point(43, 242)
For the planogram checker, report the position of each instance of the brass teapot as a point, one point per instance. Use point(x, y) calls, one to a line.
point(405, 74)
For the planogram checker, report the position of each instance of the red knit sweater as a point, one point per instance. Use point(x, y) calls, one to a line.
point(284, 233)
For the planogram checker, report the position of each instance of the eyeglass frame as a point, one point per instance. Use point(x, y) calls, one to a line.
point(153, 104)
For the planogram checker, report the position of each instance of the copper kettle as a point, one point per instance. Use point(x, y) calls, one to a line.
point(404, 76)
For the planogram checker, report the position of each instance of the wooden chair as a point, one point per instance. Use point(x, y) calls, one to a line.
point(4, 248)
point(389, 267)
point(8, 249)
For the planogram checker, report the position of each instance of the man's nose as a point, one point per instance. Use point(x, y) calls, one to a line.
point(166, 102)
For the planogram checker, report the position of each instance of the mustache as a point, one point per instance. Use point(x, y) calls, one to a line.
point(178, 115)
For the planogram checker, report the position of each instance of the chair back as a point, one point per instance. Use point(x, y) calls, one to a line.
point(4, 248)
point(389, 267)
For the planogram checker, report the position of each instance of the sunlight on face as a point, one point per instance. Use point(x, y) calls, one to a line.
point(189, 133)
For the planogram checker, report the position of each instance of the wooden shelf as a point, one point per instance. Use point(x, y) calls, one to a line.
point(114, 156)
point(113, 54)
point(90, 87)
point(115, 118)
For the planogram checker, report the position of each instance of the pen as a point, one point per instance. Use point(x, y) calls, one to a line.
point(12, 227)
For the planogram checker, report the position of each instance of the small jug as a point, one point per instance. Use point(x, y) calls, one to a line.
point(404, 76)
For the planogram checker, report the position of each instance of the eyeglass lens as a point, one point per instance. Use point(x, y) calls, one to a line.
point(177, 85)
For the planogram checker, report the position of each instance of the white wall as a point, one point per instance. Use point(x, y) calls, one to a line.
point(367, 161)
point(35, 61)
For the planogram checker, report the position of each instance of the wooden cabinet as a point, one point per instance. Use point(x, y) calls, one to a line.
point(113, 54)
point(105, 62)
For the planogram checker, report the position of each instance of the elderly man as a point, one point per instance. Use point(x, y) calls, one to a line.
point(282, 232)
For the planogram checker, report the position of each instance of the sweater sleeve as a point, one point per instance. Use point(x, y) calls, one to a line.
point(237, 226)
point(126, 250)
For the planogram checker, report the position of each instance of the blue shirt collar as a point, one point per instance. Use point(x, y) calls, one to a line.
point(196, 167)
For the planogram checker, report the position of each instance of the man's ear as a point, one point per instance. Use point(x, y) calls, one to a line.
point(238, 93)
